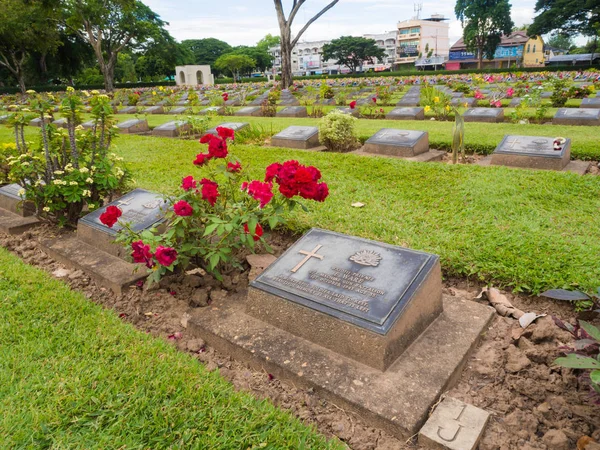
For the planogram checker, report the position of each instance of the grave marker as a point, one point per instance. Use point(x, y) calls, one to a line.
point(363, 299)
point(171, 129)
point(406, 113)
point(253, 111)
point(402, 143)
point(128, 110)
point(235, 126)
point(179, 110)
point(133, 126)
point(297, 137)
point(16, 215)
point(590, 102)
point(409, 100)
point(488, 115)
point(533, 152)
point(213, 110)
point(293, 111)
point(577, 116)
point(154, 110)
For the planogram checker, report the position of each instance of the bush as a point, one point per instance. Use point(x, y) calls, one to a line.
point(337, 132)
point(221, 213)
point(7, 151)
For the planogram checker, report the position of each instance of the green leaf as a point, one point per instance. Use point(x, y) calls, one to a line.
point(210, 228)
point(252, 222)
point(590, 329)
point(595, 376)
point(563, 294)
point(574, 361)
point(273, 222)
point(214, 260)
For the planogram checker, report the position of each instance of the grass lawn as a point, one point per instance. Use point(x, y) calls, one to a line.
point(525, 230)
point(72, 375)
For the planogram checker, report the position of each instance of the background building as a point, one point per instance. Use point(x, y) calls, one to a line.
point(517, 49)
point(422, 38)
point(386, 41)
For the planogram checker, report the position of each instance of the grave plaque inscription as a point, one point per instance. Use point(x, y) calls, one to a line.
point(364, 299)
point(534, 152)
point(235, 126)
point(492, 115)
point(297, 137)
point(293, 111)
point(10, 200)
point(406, 113)
point(402, 143)
point(577, 116)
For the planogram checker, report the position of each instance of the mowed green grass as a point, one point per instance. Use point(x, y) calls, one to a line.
point(72, 375)
point(519, 229)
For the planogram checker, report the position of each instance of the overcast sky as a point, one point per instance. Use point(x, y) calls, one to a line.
point(244, 22)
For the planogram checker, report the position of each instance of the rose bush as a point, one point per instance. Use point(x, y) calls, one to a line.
point(221, 212)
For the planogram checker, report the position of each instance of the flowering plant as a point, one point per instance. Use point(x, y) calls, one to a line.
point(73, 168)
point(222, 211)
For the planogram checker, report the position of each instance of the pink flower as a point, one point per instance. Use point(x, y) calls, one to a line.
point(165, 256)
point(183, 208)
point(188, 183)
point(263, 192)
point(234, 167)
point(225, 133)
point(210, 191)
point(141, 254)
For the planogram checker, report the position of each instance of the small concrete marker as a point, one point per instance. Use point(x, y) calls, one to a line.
point(454, 425)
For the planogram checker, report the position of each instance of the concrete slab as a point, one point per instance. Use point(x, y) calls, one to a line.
point(428, 156)
point(11, 223)
point(454, 425)
point(397, 400)
point(576, 166)
point(107, 270)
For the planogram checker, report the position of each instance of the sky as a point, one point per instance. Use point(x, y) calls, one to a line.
point(244, 22)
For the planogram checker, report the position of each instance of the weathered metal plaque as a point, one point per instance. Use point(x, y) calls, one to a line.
point(392, 136)
point(297, 133)
point(141, 210)
point(11, 191)
point(531, 146)
point(363, 282)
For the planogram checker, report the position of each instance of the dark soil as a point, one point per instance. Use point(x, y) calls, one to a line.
point(534, 404)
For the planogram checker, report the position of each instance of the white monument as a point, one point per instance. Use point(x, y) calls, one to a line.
point(193, 75)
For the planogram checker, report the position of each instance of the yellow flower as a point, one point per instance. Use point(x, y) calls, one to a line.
point(73, 183)
point(21, 192)
point(153, 92)
point(70, 89)
point(89, 180)
point(86, 93)
point(447, 107)
point(436, 99)
point(46, 209)
point(95, 92)
point(466, 105)
point(30, 92)
point(427, 108)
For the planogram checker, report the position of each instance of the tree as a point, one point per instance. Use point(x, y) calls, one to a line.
point(268, 42)
point(352, 51)
point(560, 42)
point(568, 17)
point(235, 64)
point(26, 26)
point(263, 59)
point(206, 51)
point(111, 26)
point(484, 22)
point(285, 28)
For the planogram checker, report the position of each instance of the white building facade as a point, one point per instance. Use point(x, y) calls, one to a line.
point(422, 39)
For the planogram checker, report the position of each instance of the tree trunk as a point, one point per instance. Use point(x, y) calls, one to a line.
point(108, 72)
point(286, 58)
point(479, 58)
point(21, 80)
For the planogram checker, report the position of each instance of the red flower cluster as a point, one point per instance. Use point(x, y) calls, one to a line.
point(217, 145)
point(188, 183)
point(296, 179)
point(234, 167)
point(263, 192)
point(165, 255)
point(225, 96)
point(210, 191)
point(183, 208)
point(374, 99)
point(353, 104)
point(141, 254)
point(110, 216)
point(258, 231)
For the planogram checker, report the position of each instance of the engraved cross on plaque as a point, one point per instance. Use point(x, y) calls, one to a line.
point(124, 202)
point(309, 255)
point(514, 142)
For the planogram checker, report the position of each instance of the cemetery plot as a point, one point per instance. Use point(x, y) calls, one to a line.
point(297, 137)
point(179, 110)
point(171, 129)
point(406, 114)
point(133, 126)
point(491, 115)
point(352, 318)
point(94, 251)
point(37, 122)
point(402, 143)
point(128, 110)
point(590, 102)
point(409, 100)
point(212, 110)
point(154, 110)
point(532, 152)
point(581, 116)
point(293, 111)
point(253, 111)
point(16, 216)
point(235, 126)
point(60, 123)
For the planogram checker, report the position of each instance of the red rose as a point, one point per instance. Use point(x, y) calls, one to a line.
point(188, 183)
point(309, 191)
point(353, 104)
point(110, 216)
point(374, 99)
point(258, 231)
point(302, 175)
point(316, 173)
point(210, 191)
point(183, 208)
point(322, 192)
point(263, 192)
point(225, 133)
point(225, 96)
point(141, 254)
point(288, 190)
point(206, 138)
point(201, 159)
point(165, 256)
point(234, 167)
point(217, 148)
point(244, 186)
point(287, 172)
point(272, 171)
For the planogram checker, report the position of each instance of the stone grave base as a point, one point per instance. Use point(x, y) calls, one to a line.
point(428, 156)
point(578, 167)
point(397, 400)
point(11, 223)
point(107, 270)
point(312, 143)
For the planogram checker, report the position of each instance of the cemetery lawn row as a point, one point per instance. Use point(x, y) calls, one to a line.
point(522, 229)
point(72, 375)
point(479, 137)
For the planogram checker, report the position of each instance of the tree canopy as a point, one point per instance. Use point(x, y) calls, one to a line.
point(235, 64)
point(352, 51)
point(560, 42)
point(484, 22)
point(566, 17)
point(206, 51)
